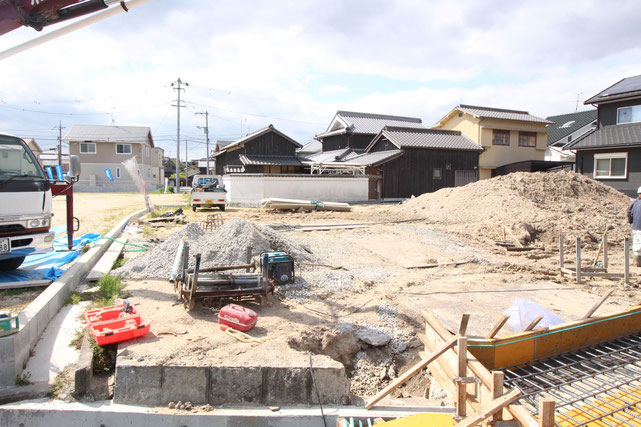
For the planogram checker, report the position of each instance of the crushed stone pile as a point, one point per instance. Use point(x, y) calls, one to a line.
point(225, 246)
point(547, 202)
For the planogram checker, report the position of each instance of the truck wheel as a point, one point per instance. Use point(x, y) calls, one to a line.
point(11, 263)
point(194, 208)
point(222, 208)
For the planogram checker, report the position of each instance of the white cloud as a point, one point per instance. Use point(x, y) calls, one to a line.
point(253, 63)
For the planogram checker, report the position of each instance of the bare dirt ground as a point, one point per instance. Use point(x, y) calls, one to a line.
point(371, 289)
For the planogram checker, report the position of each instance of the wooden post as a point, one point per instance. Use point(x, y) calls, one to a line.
point(605, 252)
point(578, 260)
point(497, 391)
point(561, 253)
point(546, 412)
point(465, 318)
point(626, 262)
point(248, 254)
point(461, 344)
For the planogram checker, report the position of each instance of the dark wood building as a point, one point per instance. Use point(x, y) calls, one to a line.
point(267, 150)
point(356, 130)
point(611, 153)
point(431, 159)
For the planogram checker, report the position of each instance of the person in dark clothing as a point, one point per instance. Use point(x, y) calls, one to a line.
point(634, 218)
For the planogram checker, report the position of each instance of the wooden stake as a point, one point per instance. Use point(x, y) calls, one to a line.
point(462, 328)
point(626, 261)
point(546, 412)
point(515, 239)
point(598, 304)
point(605, 252)
point(605, 236)
point(497, 391)
point(491, 408)
point(533, 323)
point(461, 345)
point(561, 253)
point(498, 326)
point(578, 260)
point(410, 373)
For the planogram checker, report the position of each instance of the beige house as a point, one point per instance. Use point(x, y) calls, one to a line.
point(106, 147)
point(507, 136)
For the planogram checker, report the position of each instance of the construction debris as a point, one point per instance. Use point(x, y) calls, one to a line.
point(306, 205)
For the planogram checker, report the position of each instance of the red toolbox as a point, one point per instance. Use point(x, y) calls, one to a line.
point(237, 317)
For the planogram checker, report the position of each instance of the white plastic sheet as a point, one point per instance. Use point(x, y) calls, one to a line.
point(524, 311)
point(636, 242)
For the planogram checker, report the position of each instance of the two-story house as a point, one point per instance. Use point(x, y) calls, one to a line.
point(611, 152)
point(106, 147)
point(564, 129)
point(355, 130)
point(507, 136)
point(266, 150)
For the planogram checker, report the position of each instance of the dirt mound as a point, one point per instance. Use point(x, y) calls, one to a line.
point(225, 246)
point(543, 203)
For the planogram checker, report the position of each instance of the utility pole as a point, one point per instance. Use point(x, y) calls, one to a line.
point(206, 114)
point(176, 85)
point(186, 161)
point(60, 128)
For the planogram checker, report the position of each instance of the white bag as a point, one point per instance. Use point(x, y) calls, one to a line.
point(524, 311)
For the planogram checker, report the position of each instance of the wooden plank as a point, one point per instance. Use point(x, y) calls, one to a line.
point(338, 227)
point(498, 379)
point(461, 388)
point(533, 323)
point(497, 327)
point(596, 306)
point(25, 284)
point(516, 410)
point(489, 409)
point(462, 328)
point(546, 412)
point(104, 264)
point(578, 260)
point(409, 374)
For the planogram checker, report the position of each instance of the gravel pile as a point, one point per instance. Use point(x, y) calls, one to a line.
point(225, 246)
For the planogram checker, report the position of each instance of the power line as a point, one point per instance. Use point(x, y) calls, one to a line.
point(256, 115)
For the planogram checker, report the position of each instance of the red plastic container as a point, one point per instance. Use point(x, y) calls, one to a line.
point(107, 313)
point(237, 317)
point(118, 330)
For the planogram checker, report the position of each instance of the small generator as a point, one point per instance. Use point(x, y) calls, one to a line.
point(277, 267)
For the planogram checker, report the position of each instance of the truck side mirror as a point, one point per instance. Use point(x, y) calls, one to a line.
point(74, 167)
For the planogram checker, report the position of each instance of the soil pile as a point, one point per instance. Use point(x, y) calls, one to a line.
point(549, 202)
point(225, 246)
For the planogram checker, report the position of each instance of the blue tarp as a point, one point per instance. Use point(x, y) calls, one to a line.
point(49, 266)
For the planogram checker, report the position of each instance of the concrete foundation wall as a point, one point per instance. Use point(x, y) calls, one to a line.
point(250, 189)
point(219, 385)
point(14, 349)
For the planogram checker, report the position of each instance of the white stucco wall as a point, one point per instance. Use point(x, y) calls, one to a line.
point(250, 189)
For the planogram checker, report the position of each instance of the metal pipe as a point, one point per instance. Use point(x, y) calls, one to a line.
point(248, 267)
point(96, 17)
point(179, 254)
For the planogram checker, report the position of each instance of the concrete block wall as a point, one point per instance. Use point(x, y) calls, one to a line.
point(36, 316)
point(219, 385)
point(250, 189)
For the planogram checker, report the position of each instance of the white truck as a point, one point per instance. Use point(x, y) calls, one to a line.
point(207, 191)
point(25, 204)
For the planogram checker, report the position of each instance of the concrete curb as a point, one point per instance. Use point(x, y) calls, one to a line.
point(14, 349)
point(114, 415)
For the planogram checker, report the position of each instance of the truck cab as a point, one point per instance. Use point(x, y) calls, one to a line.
point(25, 204)
point(208, 191)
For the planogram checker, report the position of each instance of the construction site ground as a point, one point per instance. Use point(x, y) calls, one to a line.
point(358, 298)
point(362, 279)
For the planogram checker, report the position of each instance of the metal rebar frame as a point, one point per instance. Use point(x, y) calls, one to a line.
point(597, 385)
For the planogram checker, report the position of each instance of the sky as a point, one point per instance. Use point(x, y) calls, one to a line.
point(293, 64)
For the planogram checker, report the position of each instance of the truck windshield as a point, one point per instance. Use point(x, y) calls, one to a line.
point(17, 162)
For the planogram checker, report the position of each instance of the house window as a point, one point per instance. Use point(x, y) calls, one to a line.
point(88, 148)
point(117, 172)
point(123, 148)
point(436, 173)
point(611, 165)
point(500, 137)
point(629, 114)
point(527, 139)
